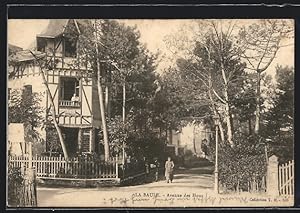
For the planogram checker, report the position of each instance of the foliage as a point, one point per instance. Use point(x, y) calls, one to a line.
point(243, 105)
point(53, 144)
point(261, 42)
point(147, 144)
point(118, 135)
point(24, 107)
point(241, 164)
point(15, 182)
point(137, 144)
point(124, 60)
point(181, 97)
point(208, 79)
point(279, 119)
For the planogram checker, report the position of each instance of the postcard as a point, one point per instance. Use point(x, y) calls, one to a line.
point(150, 113)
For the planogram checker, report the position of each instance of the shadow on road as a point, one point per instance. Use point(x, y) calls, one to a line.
point(189, 176)
point(198, 170)
point(169, 186)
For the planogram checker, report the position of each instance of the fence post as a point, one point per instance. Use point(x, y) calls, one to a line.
point(272, 176)
point(30, 155)
point(34, 187)
point(117, 167)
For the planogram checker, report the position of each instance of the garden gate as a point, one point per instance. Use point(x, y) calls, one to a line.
point(286, 178)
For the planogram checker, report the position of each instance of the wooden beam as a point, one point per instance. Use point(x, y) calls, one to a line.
point(86, 101)
point(86, 120)
point(82, 126)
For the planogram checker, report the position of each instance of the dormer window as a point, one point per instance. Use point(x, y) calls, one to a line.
point(41, 44)
point(70, 47)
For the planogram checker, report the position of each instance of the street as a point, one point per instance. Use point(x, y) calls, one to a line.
point(198, 180)
point(190, 188)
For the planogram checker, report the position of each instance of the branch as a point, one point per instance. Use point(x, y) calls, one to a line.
point(220, 41)
point(221, 99)
point(253, 67)
point(265, 51)
point(270, 61)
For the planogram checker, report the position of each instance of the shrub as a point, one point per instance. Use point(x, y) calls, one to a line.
point(15, 183)
point(146, 145)
point(241, 164)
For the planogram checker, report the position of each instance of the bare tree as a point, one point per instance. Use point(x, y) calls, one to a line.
point(212, 53)
point(52, 107)
point(100, 92)
point(261, 42)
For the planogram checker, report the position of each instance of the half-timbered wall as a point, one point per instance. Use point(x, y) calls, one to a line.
point(70, 115)
point(85, 116)
point(86, 94)
point(25, 69)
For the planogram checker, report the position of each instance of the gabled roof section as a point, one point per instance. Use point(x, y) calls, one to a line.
point(83, 23)
point(13, 49)
point(58, 27)
point(55, 28)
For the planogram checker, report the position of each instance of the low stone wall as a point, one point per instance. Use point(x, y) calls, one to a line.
point(75, 182)
point(137, 179)
point(140, 178)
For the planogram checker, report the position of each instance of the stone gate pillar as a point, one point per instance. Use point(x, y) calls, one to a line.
point(272, 176)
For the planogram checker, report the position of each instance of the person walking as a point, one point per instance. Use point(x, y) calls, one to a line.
point(169, 167)
point(157, 165)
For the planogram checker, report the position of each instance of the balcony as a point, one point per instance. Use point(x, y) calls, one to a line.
point(67, 103)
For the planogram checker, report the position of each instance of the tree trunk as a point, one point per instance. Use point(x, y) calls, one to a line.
point(215, 111)
point(102, 111)
point(61, 139)
point(124, 102)
point(108, 94)
point(53, 111)
point(194, 142)
point(221, 131)
point(107, 100)
point(257, 112)
point(124, 117)
point(249, 126)
point(229, 124)
point(227, 107)
point(101, 101)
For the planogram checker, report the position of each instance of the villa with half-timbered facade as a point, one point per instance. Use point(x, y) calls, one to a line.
point(72, 85)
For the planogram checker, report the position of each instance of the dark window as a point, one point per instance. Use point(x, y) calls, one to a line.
point(41, 44)
point(27, 93)
point(27, 90)
point(70, 47)
point(69, 87)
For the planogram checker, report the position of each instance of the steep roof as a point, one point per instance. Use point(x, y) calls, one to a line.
point(25, 55)
point(55, 28)
point(13, 49)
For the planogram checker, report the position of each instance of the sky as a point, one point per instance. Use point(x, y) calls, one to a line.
point(153, 32)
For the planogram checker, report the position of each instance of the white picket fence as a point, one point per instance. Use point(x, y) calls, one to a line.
point(286, 178)
point(72, 168)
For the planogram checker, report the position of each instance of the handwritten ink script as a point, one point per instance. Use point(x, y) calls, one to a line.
point(155, 199)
